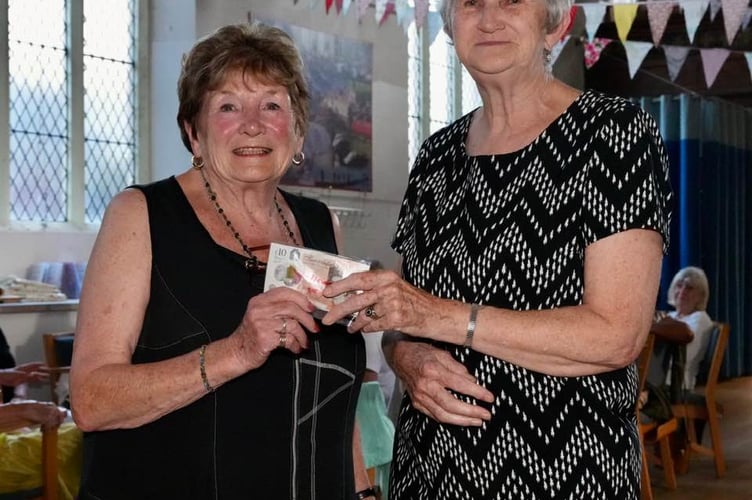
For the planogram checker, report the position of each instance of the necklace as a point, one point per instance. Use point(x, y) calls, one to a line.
point(252, 264)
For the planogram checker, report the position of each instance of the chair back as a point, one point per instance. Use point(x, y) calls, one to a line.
point(58, 351)
point(716, 349)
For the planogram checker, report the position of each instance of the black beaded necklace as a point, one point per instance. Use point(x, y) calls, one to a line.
point(252, 264)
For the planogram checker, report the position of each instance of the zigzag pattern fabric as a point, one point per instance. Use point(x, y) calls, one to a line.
point(510, 230)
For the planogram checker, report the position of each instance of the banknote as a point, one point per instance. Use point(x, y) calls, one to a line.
point(309, 271)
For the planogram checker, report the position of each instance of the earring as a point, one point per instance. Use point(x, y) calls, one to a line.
point(547, 56)
point(197, 162)
point(298, 158)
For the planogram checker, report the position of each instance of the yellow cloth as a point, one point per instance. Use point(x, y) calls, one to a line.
point(21, 460)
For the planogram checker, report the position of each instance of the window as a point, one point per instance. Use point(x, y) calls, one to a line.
point(439, 89)
point(71, 108)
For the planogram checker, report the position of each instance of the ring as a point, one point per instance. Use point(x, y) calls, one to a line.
point(283, 340)
point(371, 312)
point(283, 330)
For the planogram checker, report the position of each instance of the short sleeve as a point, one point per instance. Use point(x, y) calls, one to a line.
point(628, 178)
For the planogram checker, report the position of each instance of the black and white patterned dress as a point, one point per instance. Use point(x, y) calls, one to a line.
point(510, 230)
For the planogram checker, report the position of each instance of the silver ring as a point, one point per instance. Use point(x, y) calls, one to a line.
point(282, 340)
point(283, 330)
point(371, 312)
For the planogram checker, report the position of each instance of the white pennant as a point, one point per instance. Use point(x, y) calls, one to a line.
point(715, 6)
point(593, 17)
point(675, 58)
point(379, 10)
point(400, 9)
point(636, 52)
point(693, 12)
point(748, 56)
point(346, 6)
point(556, 50)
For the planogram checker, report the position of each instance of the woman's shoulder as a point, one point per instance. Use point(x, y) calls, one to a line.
point(611, 109)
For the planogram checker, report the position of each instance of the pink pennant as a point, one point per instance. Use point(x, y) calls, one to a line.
point(363, 7)
point(390, 9)
point(733, 14)
point(421, 12)
point(593, 50)
point(712, 61)
point(658, 15)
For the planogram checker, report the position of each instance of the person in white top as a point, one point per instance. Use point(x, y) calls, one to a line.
point(689, 323)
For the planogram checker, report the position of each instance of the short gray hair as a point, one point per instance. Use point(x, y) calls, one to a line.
point(697, 279)
point(557, 11)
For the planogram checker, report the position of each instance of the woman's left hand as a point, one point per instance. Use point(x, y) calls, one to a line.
point(386, 302)
point(25, 373)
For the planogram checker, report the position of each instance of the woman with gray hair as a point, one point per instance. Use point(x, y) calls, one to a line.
point(531, 235)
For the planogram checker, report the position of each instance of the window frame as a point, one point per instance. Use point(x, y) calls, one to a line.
point(76, 217)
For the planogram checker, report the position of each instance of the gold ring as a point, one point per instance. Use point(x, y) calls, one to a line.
point(283, 330)
point(283, 340)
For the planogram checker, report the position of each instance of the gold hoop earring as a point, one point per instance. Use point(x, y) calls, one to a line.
point(298, 158)
point(197, 162)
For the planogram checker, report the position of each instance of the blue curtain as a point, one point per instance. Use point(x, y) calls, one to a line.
point(709, 144)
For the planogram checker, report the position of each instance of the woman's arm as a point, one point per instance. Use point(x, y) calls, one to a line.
point(109, 392)
point(672, 330)
point(17, 415)
point(604, 333)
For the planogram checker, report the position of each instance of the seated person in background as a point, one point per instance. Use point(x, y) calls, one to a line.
point(21, 447)
point(7, 361)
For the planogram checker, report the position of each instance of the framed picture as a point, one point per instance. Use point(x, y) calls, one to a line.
point(337, 146)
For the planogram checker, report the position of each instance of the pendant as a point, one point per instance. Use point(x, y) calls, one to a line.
point(253, 265)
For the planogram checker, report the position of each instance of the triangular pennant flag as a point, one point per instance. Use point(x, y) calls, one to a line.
point(636, 52)
point(387, 12)
point(712, 61)
point(314, 3)
point(329, 4)
point(421, 12)
point(624, 16)
point(715, 6)
point(733, 13)
point(593, 17)
point(748, 56)
point(556, 50)
point(593, 50)
point(747, 18)
point(379, 10)
point(435, 25)
point(362, 8)
point(693, 12)
point(407, 18)
point(338, 4)
point(400, 9)
point(658, 14)
point(346, 6)
point(675, 58)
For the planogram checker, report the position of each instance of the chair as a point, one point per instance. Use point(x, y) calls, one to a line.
point(704, 406)
point(58, 351)
point(49, 488)
point(652, 432)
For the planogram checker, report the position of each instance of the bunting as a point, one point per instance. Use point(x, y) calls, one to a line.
point(712, 60)
point(675, 58)
point(624, 16)
point(658, 15)
point(594, 49)
point(636, 52)
point(715, 6)
point(747, 18)
point(594, 13)
point(748, 56)
point(556, 50)
point(693, 12)
point(733, 14)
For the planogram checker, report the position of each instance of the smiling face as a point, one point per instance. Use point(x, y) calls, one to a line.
point(245, 129)
point(687, 297)
point(496, 36)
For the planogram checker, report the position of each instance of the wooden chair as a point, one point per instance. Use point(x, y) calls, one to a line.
point(49, 488)
point(58, 349)
point(654, 433)
point(704, 406)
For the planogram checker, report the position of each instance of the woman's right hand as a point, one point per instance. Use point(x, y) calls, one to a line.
point(429, 374)
point(274, 319)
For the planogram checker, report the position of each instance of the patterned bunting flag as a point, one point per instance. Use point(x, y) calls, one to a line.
point(675, 58)
point(658, 14)
point(421, 12)
point(593, 50)
point(636, 52)
point(624, 16)
point(693, 12)
point(593, 17)
point(712, 61)
point(733, 14)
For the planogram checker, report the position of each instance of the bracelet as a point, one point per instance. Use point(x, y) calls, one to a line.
point(202, 368)
point(471, 324)
point(366, 493)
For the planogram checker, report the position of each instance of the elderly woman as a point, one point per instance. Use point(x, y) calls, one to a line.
point(531, 234)
point(189, 380)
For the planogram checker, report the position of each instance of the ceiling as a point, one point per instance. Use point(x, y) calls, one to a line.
point(733, 83)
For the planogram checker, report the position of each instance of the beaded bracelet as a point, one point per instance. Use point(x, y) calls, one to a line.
point(471, 325)
point(202, 368)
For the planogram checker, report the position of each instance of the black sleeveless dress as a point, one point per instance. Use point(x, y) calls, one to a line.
point(282, 431)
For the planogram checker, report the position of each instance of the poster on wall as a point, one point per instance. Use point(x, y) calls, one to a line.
point(338, 142)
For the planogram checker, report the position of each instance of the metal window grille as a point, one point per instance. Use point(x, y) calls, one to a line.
point(439, 89)
point(71, 107)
